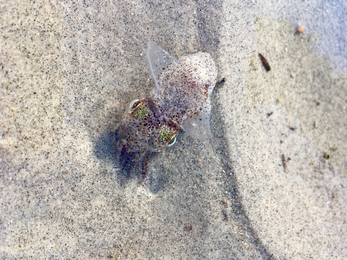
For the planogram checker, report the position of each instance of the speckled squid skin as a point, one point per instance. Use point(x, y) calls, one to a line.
point(153, 122)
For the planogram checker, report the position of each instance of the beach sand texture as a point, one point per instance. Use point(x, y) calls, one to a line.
point(270, 184)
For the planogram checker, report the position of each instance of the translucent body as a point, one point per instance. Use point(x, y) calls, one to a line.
point(181, 99)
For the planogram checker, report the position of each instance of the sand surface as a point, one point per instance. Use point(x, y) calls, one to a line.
point(68, 71)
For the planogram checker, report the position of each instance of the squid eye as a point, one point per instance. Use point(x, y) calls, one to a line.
point(134, 103)
point(172, 142)
point(167, 134)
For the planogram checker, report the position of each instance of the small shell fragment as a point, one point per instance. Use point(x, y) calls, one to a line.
point(284, 164)
point(265, 63)
point(301, 28)
point(315, 124)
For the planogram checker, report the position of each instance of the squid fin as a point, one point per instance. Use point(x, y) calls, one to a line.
point(157, 60)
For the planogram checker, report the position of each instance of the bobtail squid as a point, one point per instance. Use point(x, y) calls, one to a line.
point(180, 100)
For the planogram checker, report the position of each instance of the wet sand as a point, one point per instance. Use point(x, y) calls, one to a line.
point(68, 73)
